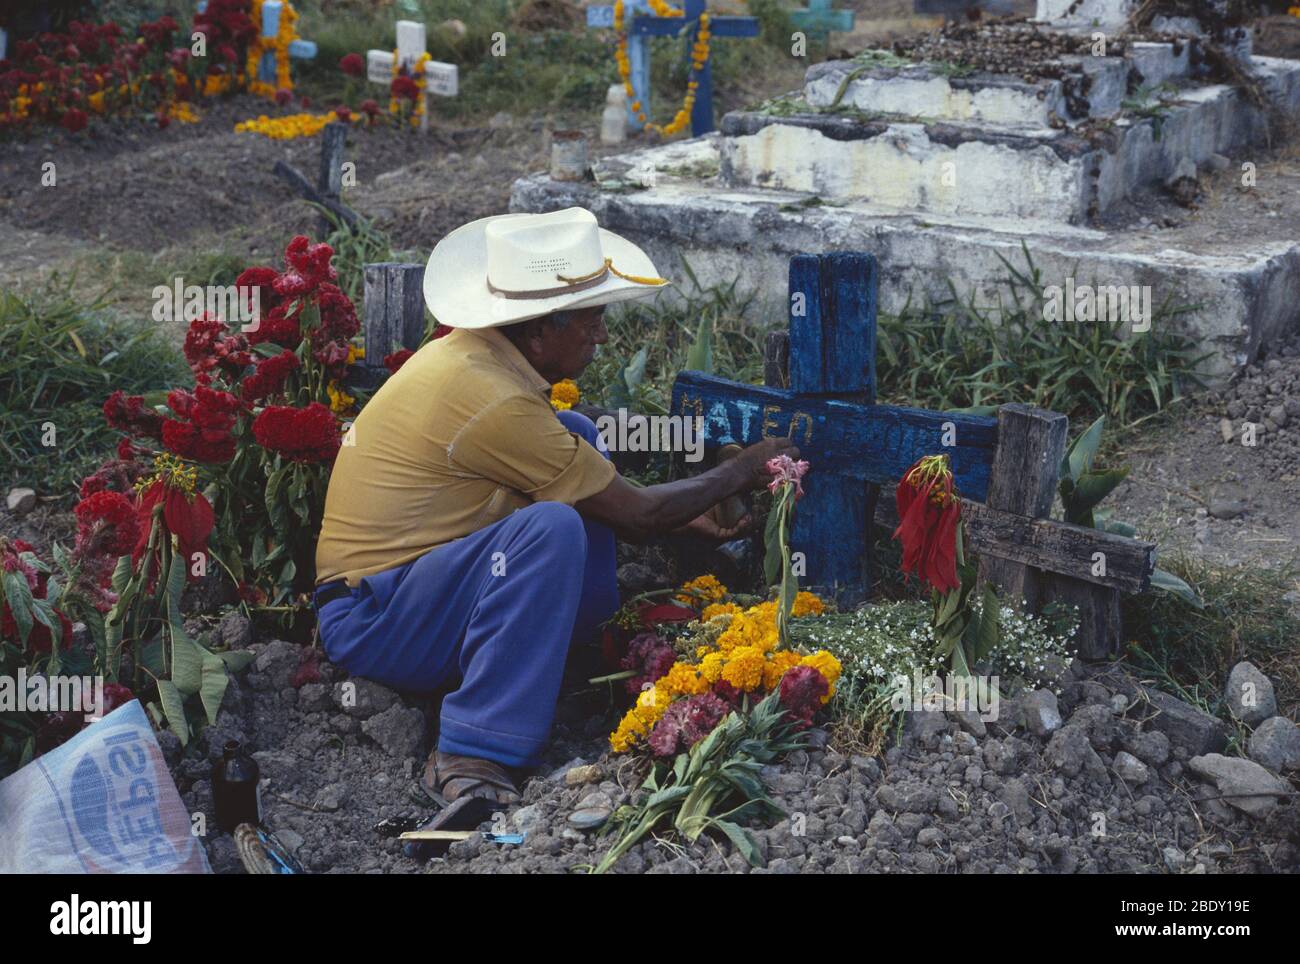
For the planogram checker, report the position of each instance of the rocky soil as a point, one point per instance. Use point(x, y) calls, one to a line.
point(1195, 486)
point(1107, 777)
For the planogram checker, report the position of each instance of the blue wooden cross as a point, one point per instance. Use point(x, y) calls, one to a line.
point(853, 444)
point(643, 25)
point(298, 49)
point(818, 19)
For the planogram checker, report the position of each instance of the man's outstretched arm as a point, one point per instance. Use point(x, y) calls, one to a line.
point(636, 514)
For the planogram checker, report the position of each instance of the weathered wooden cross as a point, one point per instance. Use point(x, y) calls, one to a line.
point(641, 24)
point(441, 79)
point(821, 392)
point(818, 20)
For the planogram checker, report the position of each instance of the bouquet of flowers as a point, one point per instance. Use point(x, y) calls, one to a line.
point(933, 536)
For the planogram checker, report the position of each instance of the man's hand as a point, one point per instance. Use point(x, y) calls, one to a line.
point(755, 458)
point(706, 527)
point(636, 514)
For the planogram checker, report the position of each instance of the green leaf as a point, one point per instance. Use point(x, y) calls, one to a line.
point(1168, 582)
point(772, 558)
point(1091, 487)
point(215, 681)
point(174, 709)
point(634, 373)
point(235, 660)
point(187, 656)
point(986, 637)
point(742, 840)
point(1079, 458)
point(19, 596)
point(700, 356)
point(273, 485)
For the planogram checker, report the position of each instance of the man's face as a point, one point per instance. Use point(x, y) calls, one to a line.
point(566, 351)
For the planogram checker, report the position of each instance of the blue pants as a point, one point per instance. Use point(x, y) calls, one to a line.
point(495, 609)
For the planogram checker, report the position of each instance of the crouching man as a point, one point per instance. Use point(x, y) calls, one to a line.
point(469, 531)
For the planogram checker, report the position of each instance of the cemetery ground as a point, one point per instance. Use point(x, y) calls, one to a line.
point(944, 794)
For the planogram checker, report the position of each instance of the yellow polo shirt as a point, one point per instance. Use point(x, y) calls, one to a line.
point(462, 436)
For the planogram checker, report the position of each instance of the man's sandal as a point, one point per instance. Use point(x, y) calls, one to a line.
point(465, 811)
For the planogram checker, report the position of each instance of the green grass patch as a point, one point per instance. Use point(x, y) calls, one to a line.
point(61, 355)
point(1189, 652)
point(950, 353)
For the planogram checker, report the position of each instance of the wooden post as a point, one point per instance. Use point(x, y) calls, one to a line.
point(1022, 481)
point(393, 315)
point(330, 181)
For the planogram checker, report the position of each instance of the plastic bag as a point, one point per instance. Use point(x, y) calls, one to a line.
point(102, 803)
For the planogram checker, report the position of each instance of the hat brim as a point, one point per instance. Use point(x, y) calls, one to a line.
point(456, 291)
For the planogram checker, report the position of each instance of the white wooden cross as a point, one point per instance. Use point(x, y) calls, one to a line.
point(440, 78)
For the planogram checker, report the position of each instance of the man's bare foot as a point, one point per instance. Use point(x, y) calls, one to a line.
point(451, 777)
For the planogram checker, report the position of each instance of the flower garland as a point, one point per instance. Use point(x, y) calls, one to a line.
point(699, 57)
point(289, 127)
point(414, 90)
point(279, 44)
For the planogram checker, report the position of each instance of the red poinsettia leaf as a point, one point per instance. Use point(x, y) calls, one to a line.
point(190, 520)
point(666, 613)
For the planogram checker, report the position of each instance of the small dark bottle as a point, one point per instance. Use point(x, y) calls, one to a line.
point(235, 789)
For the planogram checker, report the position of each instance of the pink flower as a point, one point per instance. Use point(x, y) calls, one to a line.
point(785, 469)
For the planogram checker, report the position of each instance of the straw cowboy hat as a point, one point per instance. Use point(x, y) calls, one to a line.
point(512, 267)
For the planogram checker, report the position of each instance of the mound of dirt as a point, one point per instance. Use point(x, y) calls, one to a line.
point(1105, 784)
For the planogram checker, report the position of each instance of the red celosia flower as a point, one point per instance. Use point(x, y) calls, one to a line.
point(107, 523)
point(308, 266)
point(270, 376)
point(128, 413)
point(404, 87)
point(651, 657)
point(343, 112)
point(371, 109)
point(283, 96)
point(353, 65)
point(442, 331)
point(202, 430)
point(397, 359)
point(301, 434)
point(929, 510)
point(685, 723)
point(209, 347)
point(802, 690)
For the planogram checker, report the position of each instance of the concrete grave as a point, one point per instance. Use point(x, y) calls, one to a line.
point(948, 174)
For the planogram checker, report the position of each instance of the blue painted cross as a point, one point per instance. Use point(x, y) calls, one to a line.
point(644, 25)
point(298, 49)
point(818, 19)
point(829, 410)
